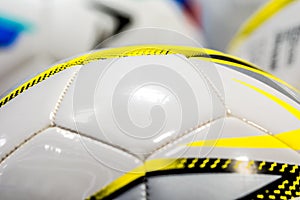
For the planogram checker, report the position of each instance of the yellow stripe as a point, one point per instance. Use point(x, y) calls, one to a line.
point(121, 182)
point(257, 71)
point(294, 111)
point(214, 52)
point(260, 17)
point(105, 54)
point(134, 51)
point(284, 140)
point(149, 166)
point(290, 138)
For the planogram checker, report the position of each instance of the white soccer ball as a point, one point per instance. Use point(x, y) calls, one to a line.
point(150, 122)
point(270, 39)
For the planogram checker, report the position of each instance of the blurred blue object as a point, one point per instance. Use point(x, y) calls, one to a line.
point(180, 2)
point(9, 31)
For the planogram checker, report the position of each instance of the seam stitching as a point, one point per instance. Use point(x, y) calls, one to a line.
point(100, 141)
point(181, 136)
point(53, 114)
point(22, 144)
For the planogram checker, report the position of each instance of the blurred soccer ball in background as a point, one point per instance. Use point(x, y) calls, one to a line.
point(271, 39)
point(37, 33)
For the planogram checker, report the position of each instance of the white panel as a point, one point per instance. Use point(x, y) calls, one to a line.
point(138, 192)
point(139, 103)
point(29, 112)
point(232, 128)
point(247, 103)
point(56, 165)
point(206, 186)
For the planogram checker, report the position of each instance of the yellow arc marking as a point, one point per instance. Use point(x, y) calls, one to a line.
point(189, 52)
point(288, 139)
point(294, 111)
point(257, 71)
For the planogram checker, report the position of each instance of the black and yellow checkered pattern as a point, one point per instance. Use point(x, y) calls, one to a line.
point(285, 187)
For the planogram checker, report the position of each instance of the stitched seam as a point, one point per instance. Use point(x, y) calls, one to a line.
point(53, 114)
point(100, 141)
point(26, 140)
point(253, 124)
point(210, 83)
point(182, 136)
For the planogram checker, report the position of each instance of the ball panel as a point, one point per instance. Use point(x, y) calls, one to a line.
point(206, 186)
point(136, 192)
point(236, 140)
point(56, 165)
point(259, 103)
point(30, 111)
point(269, 80)
point(140, 102)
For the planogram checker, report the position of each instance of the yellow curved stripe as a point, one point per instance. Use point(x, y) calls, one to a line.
point(260, 17)
point(291, 138)
point(103, 54)
point(284, 140)
point(214, 52)
point(257, 71)
point(121, 182)
point(189, 52)
point(127, 178)
point(294, 111)
point(252, 68)
point(106, 54)
point(195, 164)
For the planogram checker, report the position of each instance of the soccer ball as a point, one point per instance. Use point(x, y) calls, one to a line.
point(270, 39)
point(150, 122)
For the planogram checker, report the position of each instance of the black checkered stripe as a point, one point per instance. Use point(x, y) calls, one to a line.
point(285, 187)
point(124, 52)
